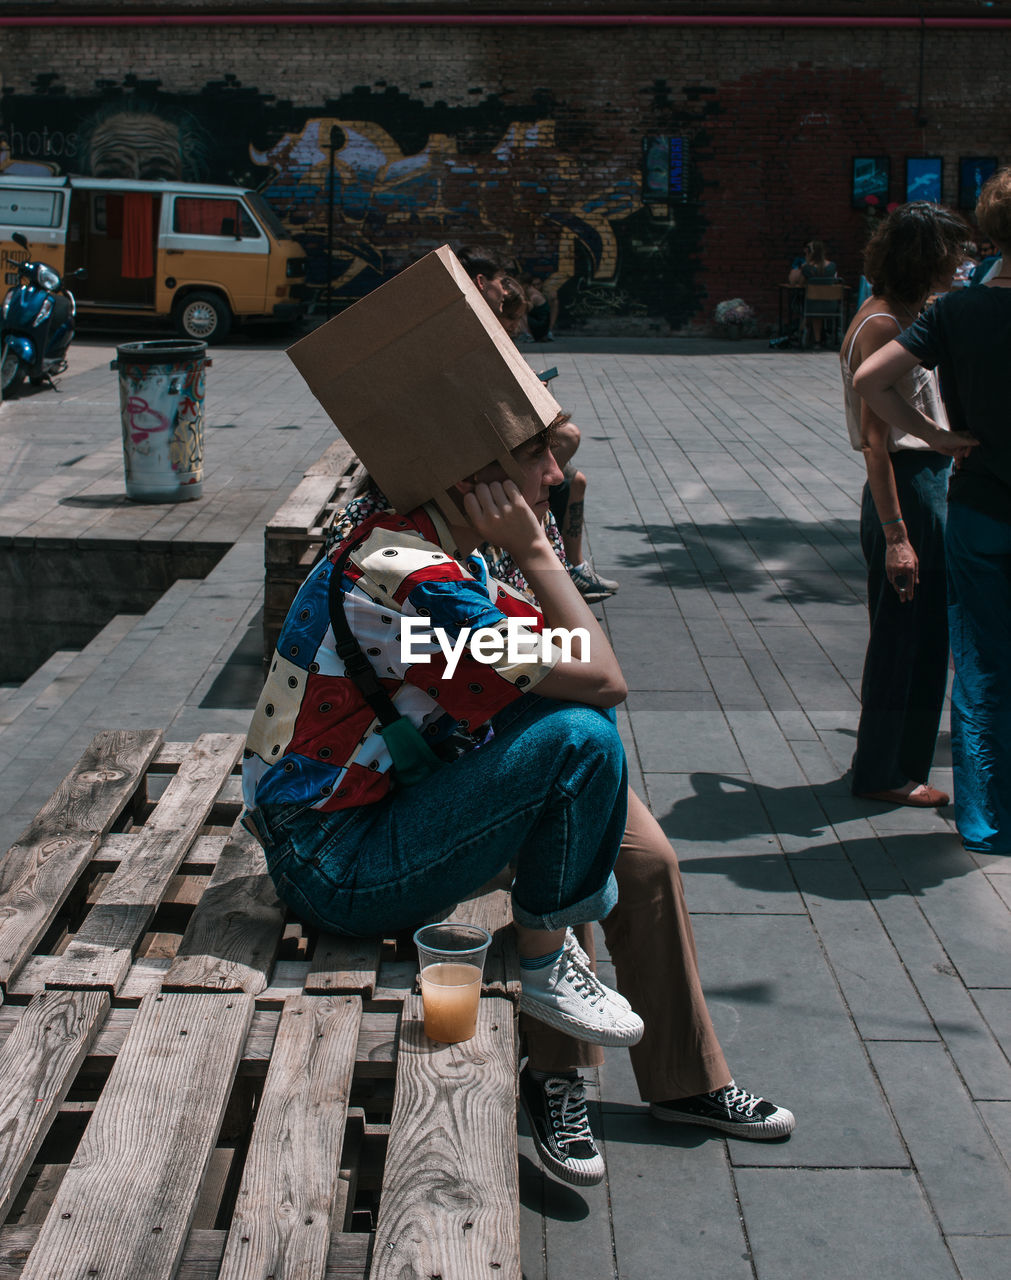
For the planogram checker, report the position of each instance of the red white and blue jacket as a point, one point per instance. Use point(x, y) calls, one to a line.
point(314, 741)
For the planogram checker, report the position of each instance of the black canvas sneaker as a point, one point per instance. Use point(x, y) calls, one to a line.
point(734, 1110)
point(555, 1108)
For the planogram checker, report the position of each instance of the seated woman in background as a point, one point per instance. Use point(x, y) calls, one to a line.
point(816, 269)
point(913, 253)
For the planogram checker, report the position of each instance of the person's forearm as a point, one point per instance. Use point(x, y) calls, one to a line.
point(881, 481)
point(564, 607)
point(890, 406)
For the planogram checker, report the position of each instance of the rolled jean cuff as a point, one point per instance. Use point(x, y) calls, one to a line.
point(595, 907)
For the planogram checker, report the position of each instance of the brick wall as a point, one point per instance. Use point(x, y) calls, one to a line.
point(532, 137)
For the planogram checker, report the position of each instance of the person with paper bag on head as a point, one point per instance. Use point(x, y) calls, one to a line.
point(401, 634)
point(418, 730)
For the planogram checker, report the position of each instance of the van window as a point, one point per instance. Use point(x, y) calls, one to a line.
point(207, 216)
point(269, 218)
point(26, 207)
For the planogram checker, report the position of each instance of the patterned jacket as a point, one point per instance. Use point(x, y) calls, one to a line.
point(314, 741)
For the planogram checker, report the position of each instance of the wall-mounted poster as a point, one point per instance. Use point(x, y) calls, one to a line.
point(973, 171)
point(923, 178)
point(870, 181)
point(665, 168)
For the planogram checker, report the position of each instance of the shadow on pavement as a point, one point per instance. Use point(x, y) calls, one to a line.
point(543, 1194)
point(750, 555)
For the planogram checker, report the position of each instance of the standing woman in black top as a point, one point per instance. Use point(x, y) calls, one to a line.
point(967, 336)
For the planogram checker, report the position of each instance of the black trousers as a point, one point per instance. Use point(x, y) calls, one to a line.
point(906, 668)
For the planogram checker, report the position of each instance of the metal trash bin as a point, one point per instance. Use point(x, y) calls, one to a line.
point(161, 399)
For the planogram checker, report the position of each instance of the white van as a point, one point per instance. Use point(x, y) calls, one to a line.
point(203, 256)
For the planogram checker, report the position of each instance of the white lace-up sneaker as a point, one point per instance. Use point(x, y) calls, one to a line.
point(582, 962)
point(571, 998)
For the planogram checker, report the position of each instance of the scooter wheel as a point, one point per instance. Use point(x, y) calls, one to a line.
point(12, 372)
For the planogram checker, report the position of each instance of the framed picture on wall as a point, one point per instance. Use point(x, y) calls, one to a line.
point(923, 178)
point(973, 171)
point(664, 168)
point(870, 181)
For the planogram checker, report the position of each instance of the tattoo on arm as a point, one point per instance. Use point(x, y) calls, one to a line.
point(574, 519)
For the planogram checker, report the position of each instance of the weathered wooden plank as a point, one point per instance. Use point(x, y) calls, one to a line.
point(201, 775)
point(450, 1202)
point(344, 964)
point(493, 911)
point(281, 1223)
point(43, 865)
point(336, 461)
point(374, 1057)
point(38, 1063)
point(147, 1144)
point(302, 508)
point(101, 953)
point(232, 939)
point(201, 1256)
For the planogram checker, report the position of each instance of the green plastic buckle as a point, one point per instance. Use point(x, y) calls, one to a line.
point(413, 759)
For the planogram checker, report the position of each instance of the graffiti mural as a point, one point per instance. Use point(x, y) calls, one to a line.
point(388, 205)
point(371, 181)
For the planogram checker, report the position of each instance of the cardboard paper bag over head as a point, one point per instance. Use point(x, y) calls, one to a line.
point(424, 383)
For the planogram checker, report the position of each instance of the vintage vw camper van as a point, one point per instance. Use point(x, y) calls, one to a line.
point(203, 256)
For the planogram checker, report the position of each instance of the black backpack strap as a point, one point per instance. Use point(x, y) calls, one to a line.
point(349, 650)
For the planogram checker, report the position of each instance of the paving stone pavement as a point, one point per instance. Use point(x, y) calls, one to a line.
point(855, 957)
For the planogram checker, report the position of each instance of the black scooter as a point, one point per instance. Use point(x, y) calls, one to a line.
point(36, 324)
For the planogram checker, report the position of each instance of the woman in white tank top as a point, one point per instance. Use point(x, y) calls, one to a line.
point(913, 253)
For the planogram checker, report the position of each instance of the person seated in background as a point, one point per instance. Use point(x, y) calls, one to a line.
point(492, 278)
point(816, 269)
point(515, 309)
point(989, 264)
point(966, 268)
point(542, 313)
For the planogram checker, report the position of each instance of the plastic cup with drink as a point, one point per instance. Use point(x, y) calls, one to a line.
point(451, 961)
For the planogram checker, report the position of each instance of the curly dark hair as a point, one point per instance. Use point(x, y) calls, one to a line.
point(993, 209)
point(911, 249)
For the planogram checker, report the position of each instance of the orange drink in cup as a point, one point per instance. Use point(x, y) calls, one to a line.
point(451, 960)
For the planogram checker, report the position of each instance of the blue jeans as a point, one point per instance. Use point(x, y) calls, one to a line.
point(979, 623)
point(547, 793)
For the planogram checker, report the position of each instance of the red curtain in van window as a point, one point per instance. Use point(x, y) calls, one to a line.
point(202, 217)
point(138, 235)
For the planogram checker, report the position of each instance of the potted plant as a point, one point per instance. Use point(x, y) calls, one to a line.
point(731, 316)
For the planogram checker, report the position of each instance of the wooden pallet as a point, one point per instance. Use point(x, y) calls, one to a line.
point(193, 1085)
point(295, 535)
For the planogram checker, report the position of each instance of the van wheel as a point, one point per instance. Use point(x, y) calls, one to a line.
point(203, 316)
point(12, 372)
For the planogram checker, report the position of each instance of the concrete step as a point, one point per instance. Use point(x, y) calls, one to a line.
point(14, 698)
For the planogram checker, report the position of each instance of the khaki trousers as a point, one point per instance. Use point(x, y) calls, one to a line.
point(649, 935)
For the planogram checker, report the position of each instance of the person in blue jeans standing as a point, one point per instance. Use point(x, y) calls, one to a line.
point(966, 335)
point(539, 779)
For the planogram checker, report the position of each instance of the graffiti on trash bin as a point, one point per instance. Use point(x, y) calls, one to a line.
point(163, 424)
point(143, 420)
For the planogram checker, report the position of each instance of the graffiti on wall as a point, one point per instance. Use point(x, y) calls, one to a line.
point(387, 204)
point(402, 179)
